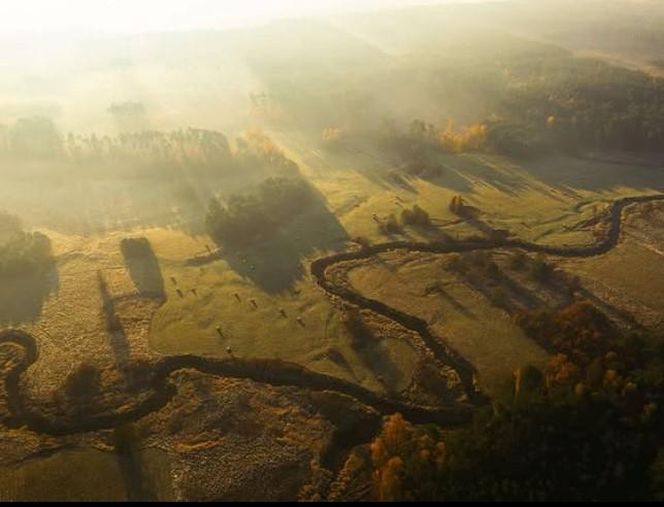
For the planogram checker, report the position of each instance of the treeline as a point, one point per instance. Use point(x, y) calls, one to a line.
point(255, 214)
point(587, 428)
point(38, 138)
point(572, 103)
point(191, 147)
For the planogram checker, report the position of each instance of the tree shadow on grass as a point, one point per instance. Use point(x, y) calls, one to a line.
point(378, 360)
point(454, 302)
point(116, 333)
point(138, 484)
point(143, 267)
point(370, 350)
point(596, 174)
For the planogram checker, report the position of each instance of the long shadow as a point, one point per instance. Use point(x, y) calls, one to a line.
point(608, 308)
point(454, 302)
point(557, 290)
point(458, 172)
point(118, 339)
point(380, 362)
point(481, 226)
point(515, 296)
point(434, 233)
point(588, 173)
point(436, 170)
point(553, 176)
point(275, 263)
point(520, 293)
point(471, 216)
point(138, 487)
point(143, 267)
point(451, 178)
point(402, 182)
point(367, 346)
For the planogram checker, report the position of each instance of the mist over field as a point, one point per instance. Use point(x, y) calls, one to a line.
point(332, 250)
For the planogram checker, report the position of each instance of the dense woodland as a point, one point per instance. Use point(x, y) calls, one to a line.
point(150, 153)
point(587, 428)
point(540, 99)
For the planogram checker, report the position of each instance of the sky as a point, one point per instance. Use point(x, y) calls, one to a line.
point(134, 16)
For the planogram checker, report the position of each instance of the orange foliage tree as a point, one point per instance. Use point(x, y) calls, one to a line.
point(471, 138)
point(406, 459)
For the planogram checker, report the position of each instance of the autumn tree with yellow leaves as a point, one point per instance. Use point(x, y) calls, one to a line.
point(471, 138)
point(406, 460)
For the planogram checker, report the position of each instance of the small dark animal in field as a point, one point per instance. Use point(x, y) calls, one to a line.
point(179, 293)
point(175, 282)
point(193, 291)
point(229, 350)
point(282, 312)
point(300, 321)
point(237, 296)
point(253, 302)
point(208, 248)
point(221, 334)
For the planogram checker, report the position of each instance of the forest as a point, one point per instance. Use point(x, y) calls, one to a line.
point(540, 100)
point(586, 428)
